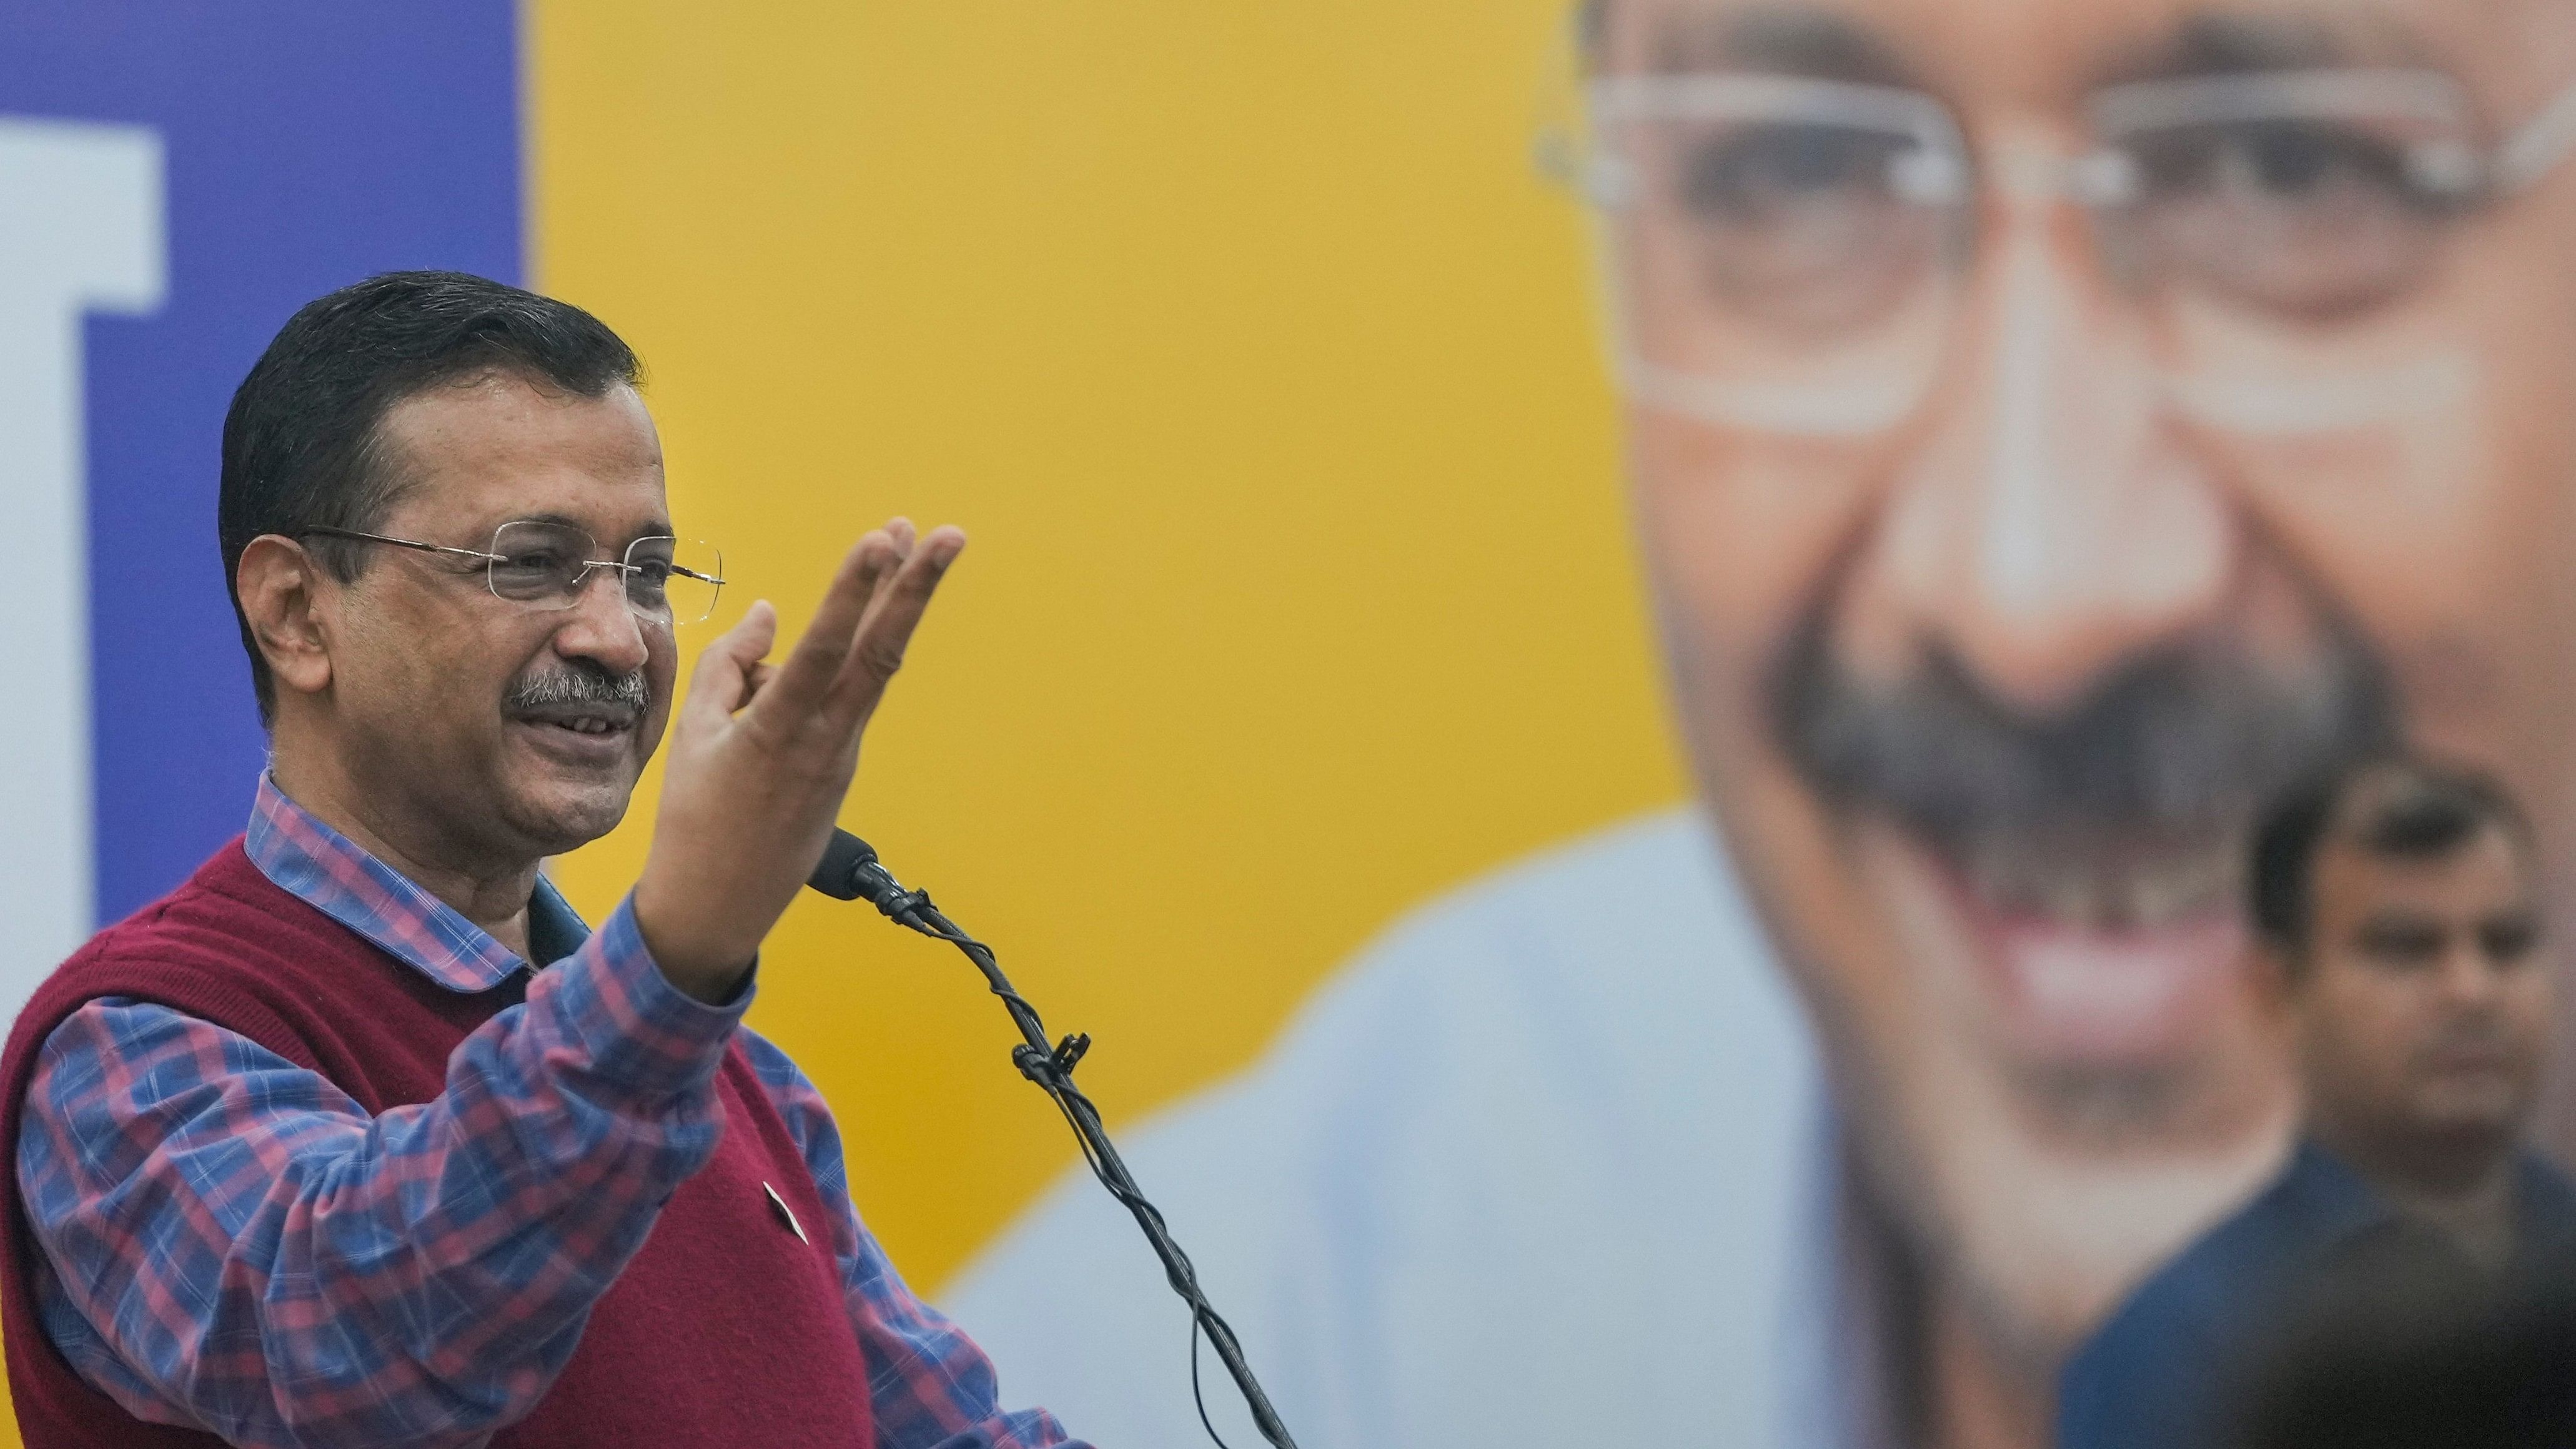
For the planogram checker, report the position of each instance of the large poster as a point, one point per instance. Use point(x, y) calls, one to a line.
point(2052, 432)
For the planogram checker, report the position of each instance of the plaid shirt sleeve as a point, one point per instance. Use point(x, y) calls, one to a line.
point(231, 1243)
point(930, 1386)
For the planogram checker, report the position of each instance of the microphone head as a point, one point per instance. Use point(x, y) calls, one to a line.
point(845, 873)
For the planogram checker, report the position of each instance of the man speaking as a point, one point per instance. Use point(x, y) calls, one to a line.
point(360, 1136)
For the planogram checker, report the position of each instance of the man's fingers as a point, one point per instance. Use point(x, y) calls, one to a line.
point(729, 669)
point(805, 680)
point(886, 632)
point(899, 533)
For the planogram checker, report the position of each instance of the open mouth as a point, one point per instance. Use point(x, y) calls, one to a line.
point(2073, 878)
point(2102, 948)
point(583, 730)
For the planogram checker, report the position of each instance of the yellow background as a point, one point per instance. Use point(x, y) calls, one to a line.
point(1260, 364)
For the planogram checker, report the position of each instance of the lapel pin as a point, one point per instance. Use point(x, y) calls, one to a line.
point(786, 1214)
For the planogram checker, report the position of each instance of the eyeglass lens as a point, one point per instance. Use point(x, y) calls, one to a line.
point(548, 564)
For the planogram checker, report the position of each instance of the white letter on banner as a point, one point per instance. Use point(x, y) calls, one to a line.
point(80, 230)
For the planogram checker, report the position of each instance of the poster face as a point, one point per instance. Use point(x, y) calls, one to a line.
point(2053, 432)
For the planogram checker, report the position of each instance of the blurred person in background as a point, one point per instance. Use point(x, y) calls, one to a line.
point(2054, 427)
point(2399, 911)
point(2394, 1352)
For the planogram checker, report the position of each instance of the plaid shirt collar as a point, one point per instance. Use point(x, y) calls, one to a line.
point(333, 874)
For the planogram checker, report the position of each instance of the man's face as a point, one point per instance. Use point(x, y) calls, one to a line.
point(2035, 475)
point(503, 730)
point(2421, 1006)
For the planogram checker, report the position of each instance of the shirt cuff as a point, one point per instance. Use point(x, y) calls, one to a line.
point(635, 1027)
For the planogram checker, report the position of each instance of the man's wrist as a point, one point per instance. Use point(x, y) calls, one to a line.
point(710, 972)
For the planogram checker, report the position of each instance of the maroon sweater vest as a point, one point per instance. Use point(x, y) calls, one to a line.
point(723, 1330)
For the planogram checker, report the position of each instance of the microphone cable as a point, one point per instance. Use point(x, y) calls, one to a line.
point(851, 871)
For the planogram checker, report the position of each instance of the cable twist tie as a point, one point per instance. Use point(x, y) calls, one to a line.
point(898, 904)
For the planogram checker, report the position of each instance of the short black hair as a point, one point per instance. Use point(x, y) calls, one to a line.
point(301, 447)
point(2425, 809)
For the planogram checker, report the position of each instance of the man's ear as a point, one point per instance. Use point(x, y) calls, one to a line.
point(279, 584)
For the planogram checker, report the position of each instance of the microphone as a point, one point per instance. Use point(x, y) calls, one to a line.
point(850, 871)
point(843, 873)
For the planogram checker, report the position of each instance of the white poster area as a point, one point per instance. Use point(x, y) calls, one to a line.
point(81, 230)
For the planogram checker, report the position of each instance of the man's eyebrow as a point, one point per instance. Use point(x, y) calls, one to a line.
point(2221, 42)
point(655, 527)
point(1779, 40)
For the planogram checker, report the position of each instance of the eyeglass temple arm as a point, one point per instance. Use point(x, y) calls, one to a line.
point(2541, 143)
point(475, 553)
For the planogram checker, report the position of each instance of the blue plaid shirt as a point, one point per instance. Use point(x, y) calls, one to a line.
point(172, 1171)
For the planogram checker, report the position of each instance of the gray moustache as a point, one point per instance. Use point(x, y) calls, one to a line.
point(558, 687)
point(2182, 745)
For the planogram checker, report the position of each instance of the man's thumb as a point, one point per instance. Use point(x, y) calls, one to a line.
point(722, 679)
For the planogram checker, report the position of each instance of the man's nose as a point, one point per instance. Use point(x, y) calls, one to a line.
point(2470, 977)
point(2050, 522)
point(601, 626)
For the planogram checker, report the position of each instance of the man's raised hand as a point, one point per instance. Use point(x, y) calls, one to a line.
point(761, 755)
